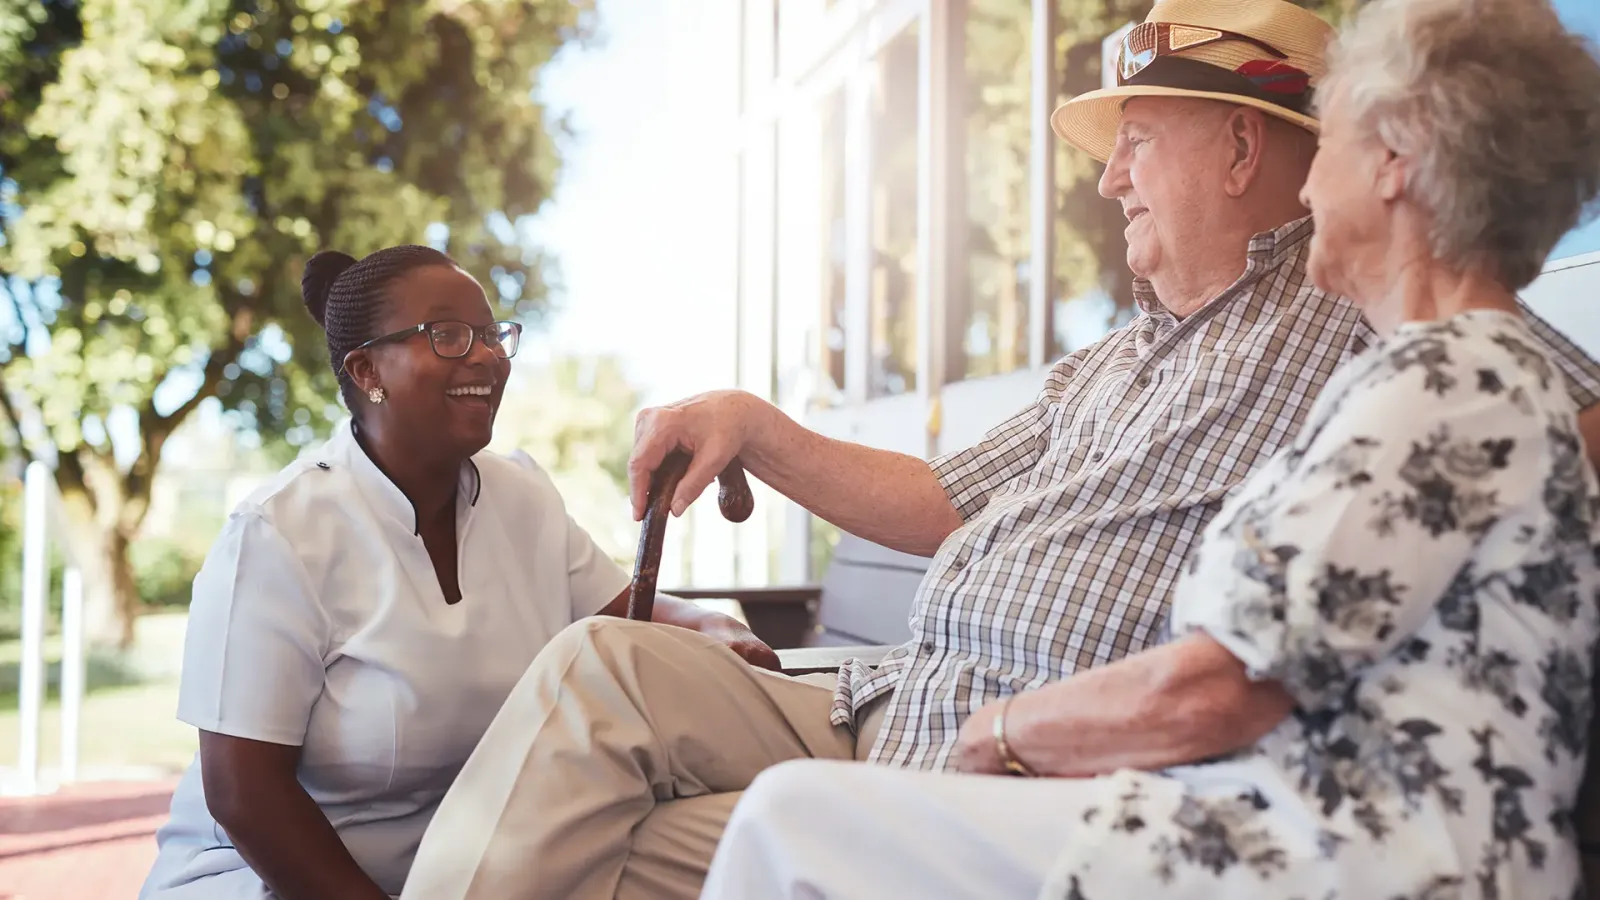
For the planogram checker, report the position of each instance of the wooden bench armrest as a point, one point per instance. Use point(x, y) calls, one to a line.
point(779, 595)
point(811, 660)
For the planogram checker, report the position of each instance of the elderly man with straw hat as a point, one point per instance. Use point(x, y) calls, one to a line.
point(1057, 542)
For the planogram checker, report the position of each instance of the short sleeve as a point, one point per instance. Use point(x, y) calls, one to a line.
point(1581, 371)
point(1363, 529)
point(257, 635)
point(594, 577)
point(971, 476)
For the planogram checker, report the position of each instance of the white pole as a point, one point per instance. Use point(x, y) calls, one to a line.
point(71, 671)
point(35, 577)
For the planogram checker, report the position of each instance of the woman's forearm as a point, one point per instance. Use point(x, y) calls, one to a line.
point(667, 610)
point(252, 792)
point(290, 844)
point(1178, 703)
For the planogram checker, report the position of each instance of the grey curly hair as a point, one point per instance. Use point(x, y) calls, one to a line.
point(1497, 106)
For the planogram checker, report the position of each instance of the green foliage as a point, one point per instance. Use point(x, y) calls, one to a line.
point(572, 413)
point(574, 416)
point(164, 570)
point(166, 167)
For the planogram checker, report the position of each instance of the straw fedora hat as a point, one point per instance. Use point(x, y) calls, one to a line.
point(1266, 54)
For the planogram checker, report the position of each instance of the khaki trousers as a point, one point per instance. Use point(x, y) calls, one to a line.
point(615, 764)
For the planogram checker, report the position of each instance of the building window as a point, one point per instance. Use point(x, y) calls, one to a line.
point(997, 93)
point(1092, 289)
point(810, 316)
point(760, 56)
point(892, 308)
point(1582, 16)
point(831, 223)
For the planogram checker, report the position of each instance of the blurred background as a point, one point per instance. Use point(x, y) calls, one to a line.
point(853, 208)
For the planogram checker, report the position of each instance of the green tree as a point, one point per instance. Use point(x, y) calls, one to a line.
point(574, 415)
point(166, 167)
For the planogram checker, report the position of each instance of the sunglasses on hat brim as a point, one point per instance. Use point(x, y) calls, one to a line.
point(1149, 41)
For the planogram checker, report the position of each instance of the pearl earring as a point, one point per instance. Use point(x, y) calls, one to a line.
point(375, 395)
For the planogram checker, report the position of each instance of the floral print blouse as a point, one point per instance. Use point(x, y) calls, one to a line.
point(1419, 570)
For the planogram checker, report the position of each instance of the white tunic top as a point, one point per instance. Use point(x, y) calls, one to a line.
point(318, 620)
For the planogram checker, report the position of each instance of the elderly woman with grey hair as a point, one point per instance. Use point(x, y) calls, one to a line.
point(1405, 598)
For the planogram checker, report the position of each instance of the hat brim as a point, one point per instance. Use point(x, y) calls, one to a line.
point(1090, 121)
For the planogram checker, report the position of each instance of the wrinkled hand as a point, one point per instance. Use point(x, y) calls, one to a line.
point(733, 634)
point(712, 428)
point(975, 752)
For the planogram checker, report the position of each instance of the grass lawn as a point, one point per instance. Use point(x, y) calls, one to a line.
point(128, 716)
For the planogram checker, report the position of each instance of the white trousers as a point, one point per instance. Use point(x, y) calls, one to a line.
point(825, 830)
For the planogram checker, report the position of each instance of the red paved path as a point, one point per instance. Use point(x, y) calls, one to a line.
point(90, 842)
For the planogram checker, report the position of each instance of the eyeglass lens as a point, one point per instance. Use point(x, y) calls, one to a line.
point(454, 339)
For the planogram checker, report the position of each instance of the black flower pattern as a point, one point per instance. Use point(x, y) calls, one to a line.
point(1216, 835)
point(1566, 693)
point(1525, 357)
point(1432, 355)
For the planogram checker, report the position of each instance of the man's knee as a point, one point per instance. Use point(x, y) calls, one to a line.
point(597, 632)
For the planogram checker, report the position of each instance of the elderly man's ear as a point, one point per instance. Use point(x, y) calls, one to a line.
point(1248, 130)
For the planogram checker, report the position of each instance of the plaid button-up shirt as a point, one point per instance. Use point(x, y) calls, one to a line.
point(1080, 510)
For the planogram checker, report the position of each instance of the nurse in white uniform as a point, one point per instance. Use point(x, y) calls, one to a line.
point(361, 618)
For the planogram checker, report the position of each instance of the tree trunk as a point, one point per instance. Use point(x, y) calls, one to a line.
point(111, 600)
point(104, 509)
point(124, 591)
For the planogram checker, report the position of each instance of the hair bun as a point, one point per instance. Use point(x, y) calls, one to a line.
point(322, 270)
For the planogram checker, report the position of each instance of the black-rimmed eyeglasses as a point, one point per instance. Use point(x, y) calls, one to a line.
point(453, 340)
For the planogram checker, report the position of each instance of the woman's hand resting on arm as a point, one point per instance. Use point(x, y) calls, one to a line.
point(253, 793)
point(1177, 703)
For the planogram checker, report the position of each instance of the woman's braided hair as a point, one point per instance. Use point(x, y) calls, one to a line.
point(346, 298)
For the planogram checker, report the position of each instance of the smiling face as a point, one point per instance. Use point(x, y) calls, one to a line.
point(442, 407)
point(1352, 190)
point(1167, 170)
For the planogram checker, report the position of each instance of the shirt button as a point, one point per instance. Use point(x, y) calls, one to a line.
point(1096, 456)
point(959, 563)
point(1144, 381)
point(927, 648)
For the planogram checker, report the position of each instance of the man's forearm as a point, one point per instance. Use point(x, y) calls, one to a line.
point(1178, 703)
point(885, 497)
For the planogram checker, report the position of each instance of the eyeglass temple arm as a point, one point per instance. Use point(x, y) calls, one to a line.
point(733, 498)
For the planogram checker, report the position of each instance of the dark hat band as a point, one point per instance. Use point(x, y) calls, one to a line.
point(1194, 75)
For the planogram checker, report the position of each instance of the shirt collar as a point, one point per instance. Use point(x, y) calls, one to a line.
point(1267, 250)
point(385, 497)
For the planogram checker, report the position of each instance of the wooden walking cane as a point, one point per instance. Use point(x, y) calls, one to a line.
point(733, 498)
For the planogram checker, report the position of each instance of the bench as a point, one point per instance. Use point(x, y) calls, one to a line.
point(860, 610)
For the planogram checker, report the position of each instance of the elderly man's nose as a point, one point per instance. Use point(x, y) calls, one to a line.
point(1114, 180)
